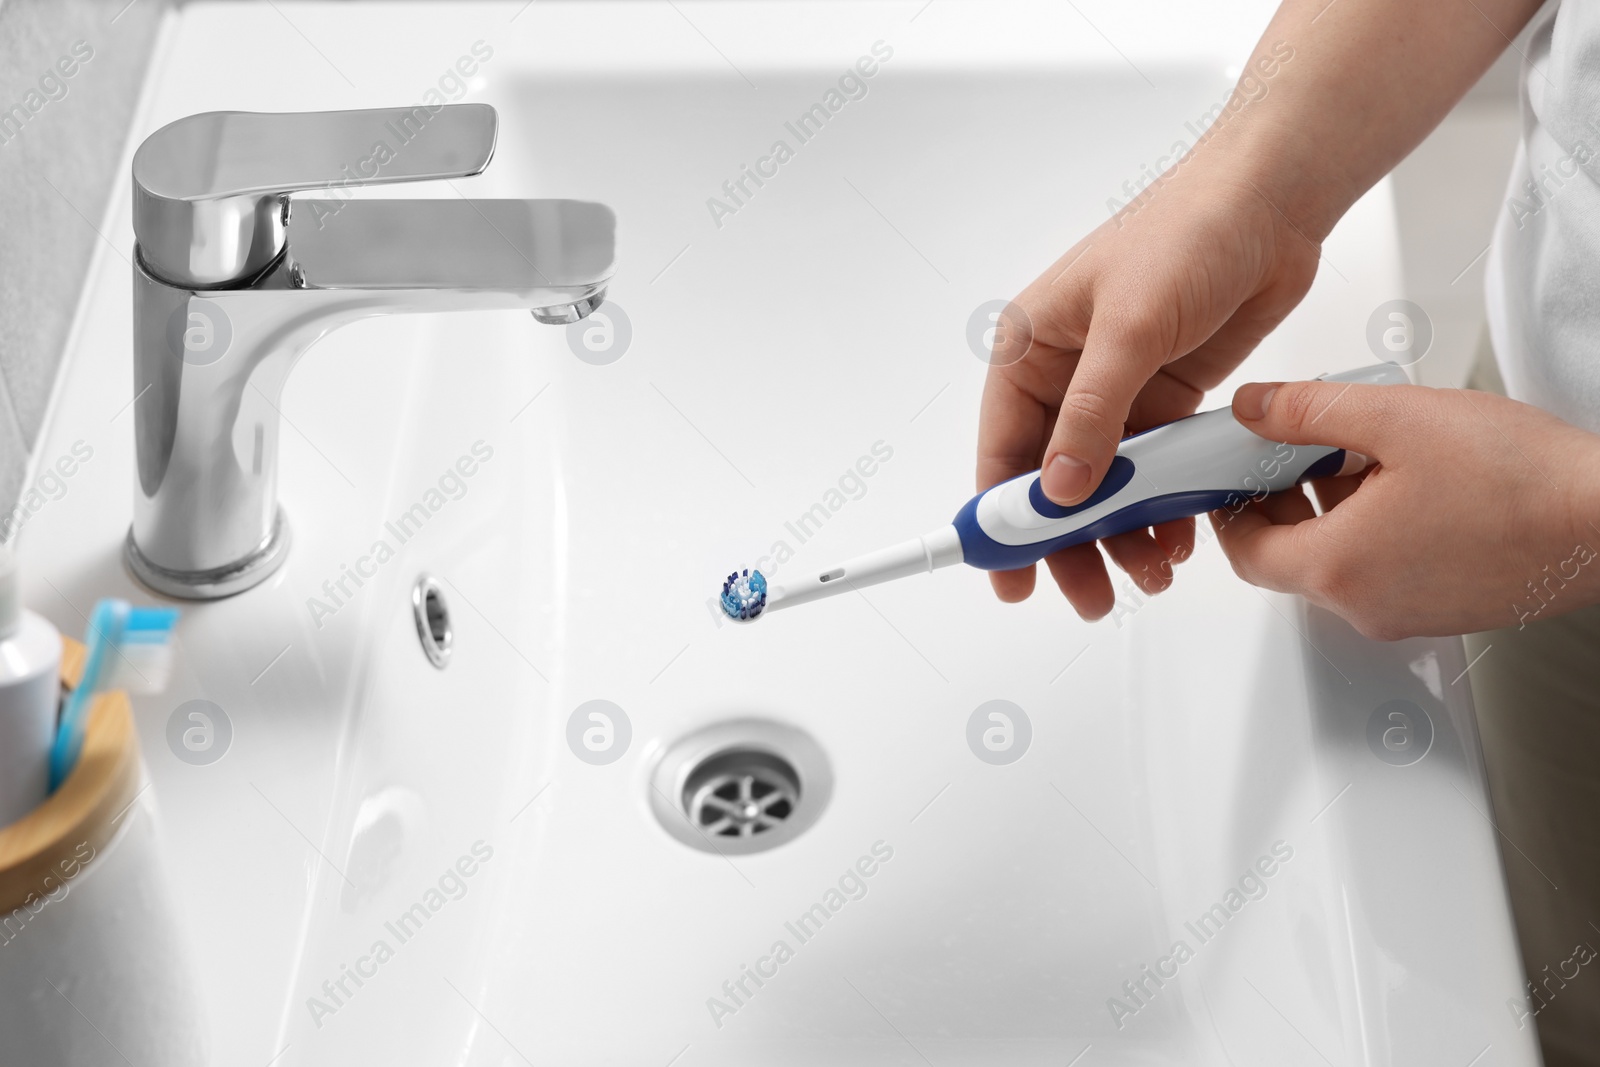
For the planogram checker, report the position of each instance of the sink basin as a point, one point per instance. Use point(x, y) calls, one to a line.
point(1217, 828)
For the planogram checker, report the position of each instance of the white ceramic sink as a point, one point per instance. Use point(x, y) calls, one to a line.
point(1172, 750)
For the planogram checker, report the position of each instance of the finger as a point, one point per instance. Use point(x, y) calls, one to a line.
point(1164, 398)
point(1265, 553)
point(1365, 418)
point(1013, 335)
point(1081, 575)
point(1010, 434)
point(1287, 507)
point(1217, 356)
point(1011, 431)
point(1138, 553)
point(1121, 353)
point(1176, 539)
point(1277, 509)
point(1331, 492)
point(1014, 586)
point(1241, 511)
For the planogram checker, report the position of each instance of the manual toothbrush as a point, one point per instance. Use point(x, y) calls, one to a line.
point(127, 648)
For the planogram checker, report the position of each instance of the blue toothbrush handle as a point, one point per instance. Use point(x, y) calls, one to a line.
point(1189, 467)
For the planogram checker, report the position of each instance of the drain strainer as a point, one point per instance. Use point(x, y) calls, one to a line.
point(741, 793)
point(741, 786)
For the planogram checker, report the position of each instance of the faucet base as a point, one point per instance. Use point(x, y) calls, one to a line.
point(218, 582)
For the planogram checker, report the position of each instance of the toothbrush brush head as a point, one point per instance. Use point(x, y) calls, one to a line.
point(744, 594)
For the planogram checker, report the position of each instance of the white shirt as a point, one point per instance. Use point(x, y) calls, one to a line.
point(1543, 274)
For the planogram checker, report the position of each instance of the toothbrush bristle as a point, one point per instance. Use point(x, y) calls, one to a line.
point(144, 652)
point(140, 667)
point(744, 594)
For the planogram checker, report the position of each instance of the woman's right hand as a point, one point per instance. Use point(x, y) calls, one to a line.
point(1125, 332)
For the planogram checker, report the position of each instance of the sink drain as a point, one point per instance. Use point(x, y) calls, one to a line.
point(741, 793)
point(741, 786)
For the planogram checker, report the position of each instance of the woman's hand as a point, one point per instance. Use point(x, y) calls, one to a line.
point(1481, 513)
point(1125, 332)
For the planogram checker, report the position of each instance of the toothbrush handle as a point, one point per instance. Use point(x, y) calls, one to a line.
point(1188, 467)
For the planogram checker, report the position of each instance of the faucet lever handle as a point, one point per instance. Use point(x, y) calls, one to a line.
point(210, 191)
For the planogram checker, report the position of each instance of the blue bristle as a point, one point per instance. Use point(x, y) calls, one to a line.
point(744, 594)
point(148, 620)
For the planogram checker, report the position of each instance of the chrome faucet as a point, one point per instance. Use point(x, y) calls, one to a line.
point(233, 281)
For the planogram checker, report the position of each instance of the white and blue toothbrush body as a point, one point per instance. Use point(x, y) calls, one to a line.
point(1189, 467)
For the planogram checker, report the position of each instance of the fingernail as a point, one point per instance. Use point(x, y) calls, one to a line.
point(1265, 403)
point(1064, 478)
point(1354, 463)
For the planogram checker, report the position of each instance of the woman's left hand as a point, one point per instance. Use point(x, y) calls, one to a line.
point(1481, 512)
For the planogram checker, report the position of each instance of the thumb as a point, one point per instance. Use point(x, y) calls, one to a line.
point(1357, 418)
point(1119, 357)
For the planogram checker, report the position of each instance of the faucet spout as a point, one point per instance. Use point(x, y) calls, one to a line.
point(537, 254)
point(210, 364)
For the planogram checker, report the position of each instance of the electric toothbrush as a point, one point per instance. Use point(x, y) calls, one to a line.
point(1188, 467)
